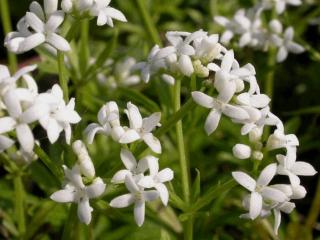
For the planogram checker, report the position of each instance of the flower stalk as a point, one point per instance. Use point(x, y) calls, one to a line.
point(19, 204)
point(62, 77)
point(6, 24)
point(184, 166)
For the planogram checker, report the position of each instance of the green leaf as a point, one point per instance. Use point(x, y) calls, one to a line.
point(196, 186)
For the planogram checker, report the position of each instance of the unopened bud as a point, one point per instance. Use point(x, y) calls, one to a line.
point(241, 151)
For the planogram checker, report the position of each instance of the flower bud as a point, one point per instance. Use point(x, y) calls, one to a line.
point(298, 192)
point(67, 5)
point(255, 134)
point(241, 151)
point(85, 162)
point(200, 70)
point(257, 155)
point(275, 26)
point(239, 85)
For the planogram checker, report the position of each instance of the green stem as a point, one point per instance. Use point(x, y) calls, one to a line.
point(62, 77)
point(147, 20)
point(184, 166)
point(271, 63)
point(314, 210)
point(6, 23)
point(84, 47)
point(19, 204)
point(70, 223)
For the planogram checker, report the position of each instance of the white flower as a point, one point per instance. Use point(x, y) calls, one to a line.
point(84, 160)
point(207, 48)
point(44, 26)
point(105, 13)
point(259, 189)
point(292, 168)
point(137, 196)
point(229, 75)
point(218, 106)
point(19, 119)
point(155, 61)
point(157, 179)
point(5, 142)
point(10, 82)
point(122, 75)
point(60, 116)
point(76, 6)
point(108, 123)
point(75, 191)
point(287, 45)
point(280, 5)
point(241, 151)
point(141, 128)
point(133, 167)
point(279, 140)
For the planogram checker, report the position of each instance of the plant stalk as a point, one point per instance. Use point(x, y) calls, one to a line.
point(147, 20)
point(184, 166)
point(6, 23)
point(62, 77)
point(19, 204)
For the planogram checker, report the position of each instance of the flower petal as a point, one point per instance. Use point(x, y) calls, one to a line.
point(152, 142)
point(165, 175)
point(63, 196)
point(96, 188)
point(212, 121)
point(255, 205)
point(203, 99)
point(128, 159)
point(139, 212)
point(163, 193)
point(303, 169)
point(84, 211)
point(25, 137)
point(58, 42)
point(267, 174)
point(244, 180)
point(7, 124)
point(122, 201)
point(149, 123)
point(120, 176)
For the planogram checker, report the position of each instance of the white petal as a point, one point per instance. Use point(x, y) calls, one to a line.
point(282, 54)
point(50, 6)
point(303, 169)
point(255, 205)
point(53, 130)
point(128, 159)
point(102, 19)
point(244, 180)
point(152, 142)
point(129, 136)
point(7, 124)
point(227, 61)
point(34, 22)
point(114, 13)
point(84, 211)
point(149, 123)
point(131, 184)
point(165, 175)
point(185, 65)
point(92, 129)
point(139, 211)
point(260, 100)
point(31, 42)
point(23, 71)
point(212, 121)
point(4, 72)
point(235, 112)
point(149, 162)
point(58, 42)
point(34, 113)
point(146, 182)
point(5, 143)
point(202, 99)
point(25, 137)
point(122, 201)
point(273, 194)
point(96, 188)
point(163, 193)
point(267, 174)
point(12, 103)
point(120, 176)
point(36, 8)
point(134, 116)
point(55, 20)
point(63, 196)
point(295, 48)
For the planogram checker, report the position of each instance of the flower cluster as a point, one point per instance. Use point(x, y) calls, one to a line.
point(41, 25)
point(188, 53)
point(93, 8)
point(121, 73)
point(139, 129)
point(21, 105)
point(134, 175)
point(80, 183)
point(249, 26)
point(237, 96)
